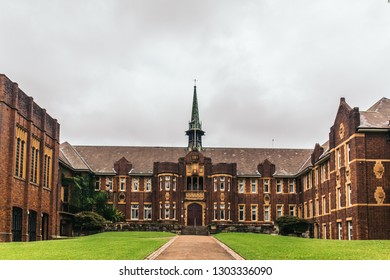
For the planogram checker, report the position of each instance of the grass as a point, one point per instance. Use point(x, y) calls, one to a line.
point(270, 247)
point(102, 246)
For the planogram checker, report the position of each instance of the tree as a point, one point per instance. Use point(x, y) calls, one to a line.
point(292, 225)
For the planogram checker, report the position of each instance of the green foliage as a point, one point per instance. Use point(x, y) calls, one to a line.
point(83, 193)
point(292, 225)
point(89, 221)
point(102, 246)
point(111, 213)
point(86, 198)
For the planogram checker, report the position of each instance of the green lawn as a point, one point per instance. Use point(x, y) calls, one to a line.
point(102, 246)
point(270, 247)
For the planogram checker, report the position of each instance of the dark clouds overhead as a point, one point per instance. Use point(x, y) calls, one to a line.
point(121, 72)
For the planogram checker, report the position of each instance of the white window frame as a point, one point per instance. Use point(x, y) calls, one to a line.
point(148, 186)
point(148, 210)
point(253, 186)
point(134, 212)
point(241, 186)
point(266, 185)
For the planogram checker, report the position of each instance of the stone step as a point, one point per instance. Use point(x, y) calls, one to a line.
point(198, 230)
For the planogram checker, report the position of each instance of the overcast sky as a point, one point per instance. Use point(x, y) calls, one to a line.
point(121, 72)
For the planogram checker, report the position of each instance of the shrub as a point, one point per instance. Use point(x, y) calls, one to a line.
point(292, 225)
point(89, 221)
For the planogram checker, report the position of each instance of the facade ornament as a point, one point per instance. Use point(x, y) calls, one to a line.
point(341, 131)
point(222, 196)
point(379, 169)
point(167, 196)
point(380, 195)
point(267, 199)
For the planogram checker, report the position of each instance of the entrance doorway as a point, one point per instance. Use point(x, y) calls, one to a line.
point(32, 226)
point(194, 217)
point(17, 224)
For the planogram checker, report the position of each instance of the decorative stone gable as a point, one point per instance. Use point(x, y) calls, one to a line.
point(266, 168)
point(122, 166)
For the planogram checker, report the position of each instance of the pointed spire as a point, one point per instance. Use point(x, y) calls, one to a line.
point(195, 123)
point(195, 131)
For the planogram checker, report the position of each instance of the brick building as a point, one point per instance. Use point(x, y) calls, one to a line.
point(29, 150)
point(340, 186)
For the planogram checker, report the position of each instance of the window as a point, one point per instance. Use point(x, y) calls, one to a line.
point(222, 183)
point(215, 211)
point(279, 211)
point(174, 183)
point(338, 197)
point(316, 207)
point(305, 210)
point(254, 213)
point(324, 231)
point(47, 167)
point(160, 212)
point(195, 183)
point(279, 186)
point(323, 173)
point(20, 153)
point(229, 184)
point(266, 185)
point(241, 212)
point(338, 160)
point(34, 161)
point(135, 184)
point(291, 211)
point(254, 186)
point(215, 184)
point(339, 231)
point(134, 211)
point(241, 186)
point(97, 184)
point(323, 205)
point(316, 176)
point(228, 211)
point(109, 184)
point(148, 185)
point(161, 179)
point(122, 184)
point(167, 183)
point(310, 209)
point(267, 216)
point(348, 153)
point(174, 211)
point(222, 211)
point(148, 212)
point(349, 194)
point(291, 186)
point(167, 206)
point(349, 226)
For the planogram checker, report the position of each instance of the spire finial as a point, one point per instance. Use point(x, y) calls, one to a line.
point(195, 80)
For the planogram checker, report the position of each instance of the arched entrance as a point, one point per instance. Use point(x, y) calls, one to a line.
point(194, 215)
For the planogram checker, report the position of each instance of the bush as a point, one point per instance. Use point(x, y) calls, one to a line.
point(292, 225)
point(89, 221)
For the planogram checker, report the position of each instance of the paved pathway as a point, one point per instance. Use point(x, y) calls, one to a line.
point(194, 247)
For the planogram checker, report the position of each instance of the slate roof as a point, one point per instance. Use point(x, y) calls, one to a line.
point(101, 159)
point(377, 116)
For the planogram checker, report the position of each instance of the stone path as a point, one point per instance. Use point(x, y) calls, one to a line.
point(194, 247)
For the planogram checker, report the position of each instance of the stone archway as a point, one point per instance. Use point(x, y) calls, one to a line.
point(194, 215)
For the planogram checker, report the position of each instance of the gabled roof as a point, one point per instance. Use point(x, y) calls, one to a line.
point(377, 116)
point(70, 156)
point(101, 159)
